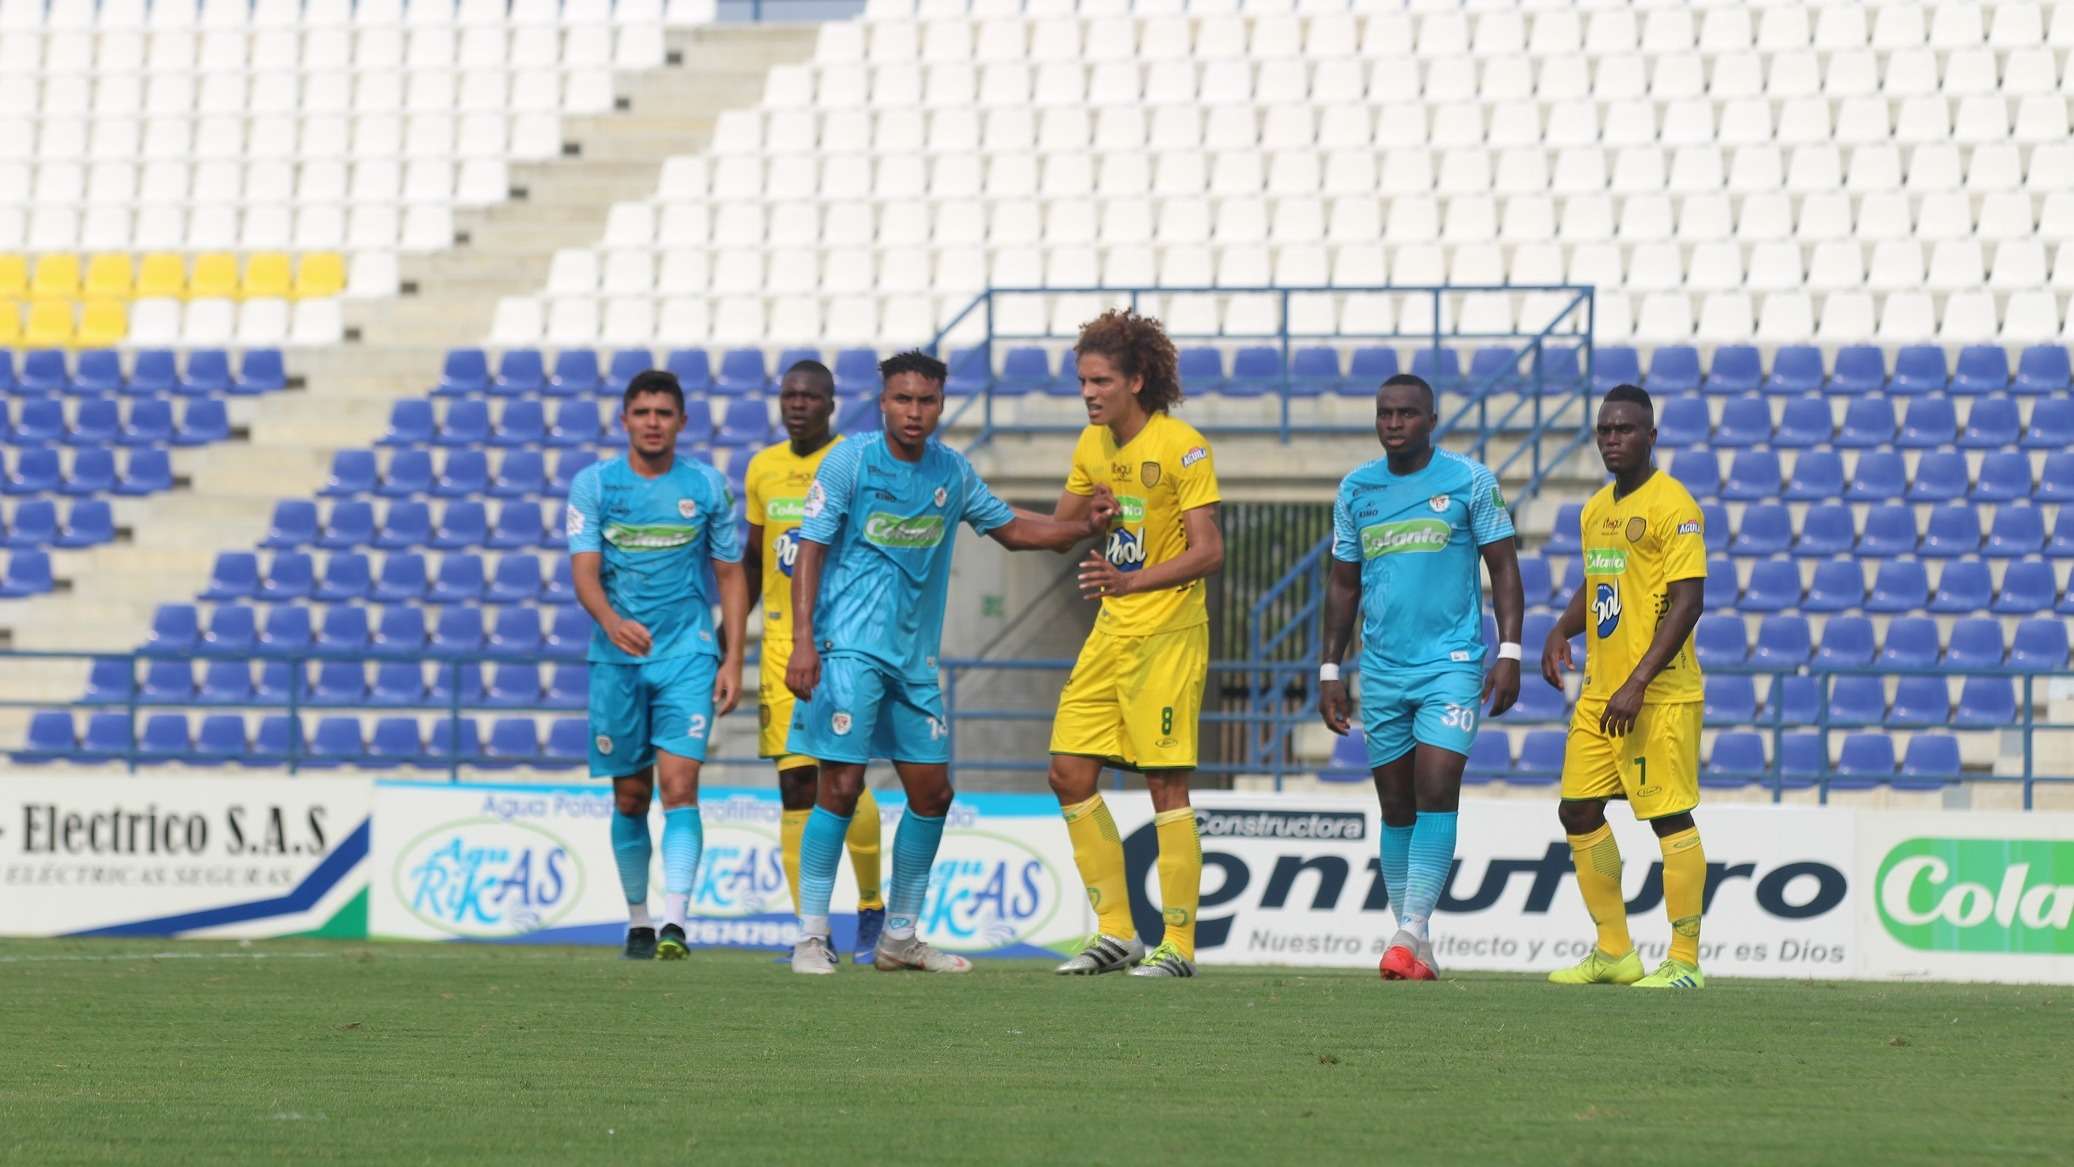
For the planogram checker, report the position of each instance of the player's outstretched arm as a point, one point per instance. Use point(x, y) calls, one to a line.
point(1555, 651)
point(1509, 603)
point(1030, 531)
point(1684, 600)
point(1204, 557)
point(803, 672)
point(734, 621)
point(629, 636)
point(1342, 597)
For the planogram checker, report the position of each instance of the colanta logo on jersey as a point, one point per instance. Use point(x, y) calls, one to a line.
point(1605, 609)
point(1414, 535)
point(902, 532)
point(784, 510)
point(1605, 561)
point(648, 536)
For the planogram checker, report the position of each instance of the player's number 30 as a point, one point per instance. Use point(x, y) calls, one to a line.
point(1459, 717)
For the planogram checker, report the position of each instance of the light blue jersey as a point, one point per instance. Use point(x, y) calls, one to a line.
point(889, 527)
point(656, 536)
point(1417, 539)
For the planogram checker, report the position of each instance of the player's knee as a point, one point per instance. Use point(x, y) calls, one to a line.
point(1672, 824)
point(1071, 783)
point(1169, 790)
point(930, 803)
point(630, 803)
point(1581, 818)
point(797, 787)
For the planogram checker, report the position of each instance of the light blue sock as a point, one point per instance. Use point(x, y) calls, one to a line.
point(1432, 853)
point(684, 836)
point(1396, 863)
point(914, 853)
point(632, 850)
point(820, 852)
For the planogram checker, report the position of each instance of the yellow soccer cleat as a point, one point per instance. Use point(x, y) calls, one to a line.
point(1600, 969)
point(1673, 974)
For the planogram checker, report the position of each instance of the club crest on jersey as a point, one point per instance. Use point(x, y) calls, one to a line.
point(1148, 473)
point(1636, 529)
point(840, 723)
point(785, 549)
point(687, 508)
point(1606, 609)
point(1439, 503)
point(574, 522)
point(941, 496)
point(604, 743)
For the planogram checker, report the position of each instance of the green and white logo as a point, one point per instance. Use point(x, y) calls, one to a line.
point(1132, 509)
point(899, 531)
point(1407, 535)
point(784, 510)
point(1605, 561)
point(1980, 895)
point(648, 537)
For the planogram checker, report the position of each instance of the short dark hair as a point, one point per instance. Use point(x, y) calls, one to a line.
point(653, 381)
point(1139, 347)
point(1633, 395)
point(817, 373)
point(914, 361)
point(1413, 380)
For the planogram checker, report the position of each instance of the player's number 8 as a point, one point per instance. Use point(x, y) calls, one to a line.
point(1166, 719)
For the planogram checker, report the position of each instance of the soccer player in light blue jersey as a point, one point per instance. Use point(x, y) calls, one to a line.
point(1407, 531)
point(868, 589)
point(641, 530)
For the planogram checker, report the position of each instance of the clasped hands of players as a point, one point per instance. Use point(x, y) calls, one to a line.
point(1500, 692)
point(633, 638)
point(1098, 576)
point(1622, 709)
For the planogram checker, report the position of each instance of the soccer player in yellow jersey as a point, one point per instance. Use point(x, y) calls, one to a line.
point(776, 490)
point(1135, 693)
point(1635, 733)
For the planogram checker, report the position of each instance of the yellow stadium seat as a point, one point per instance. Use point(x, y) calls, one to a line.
point(14, 276)
point(109, 275)
point(214, 276)
point(162, 275)
point(10, 323)
point(50, 324)
point(266, 276)
point(319, 275)
point(103, 324)
point(56, 277)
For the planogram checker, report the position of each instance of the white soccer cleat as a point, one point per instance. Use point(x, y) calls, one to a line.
point(910, 954)
point(813, 956)
point(1103, 954)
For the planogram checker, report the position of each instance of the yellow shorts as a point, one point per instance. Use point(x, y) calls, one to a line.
point(774, 707)
point(1656, 767)
point(1133, 701)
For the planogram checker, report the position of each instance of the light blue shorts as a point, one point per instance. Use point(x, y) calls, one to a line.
point(636, 710)
point(1401, 709)
point(860, 711)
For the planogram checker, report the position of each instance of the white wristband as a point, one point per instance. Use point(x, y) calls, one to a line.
point(1329, 671)
point(1508, 651)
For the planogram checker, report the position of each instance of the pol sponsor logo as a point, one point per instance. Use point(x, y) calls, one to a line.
point(486, 877)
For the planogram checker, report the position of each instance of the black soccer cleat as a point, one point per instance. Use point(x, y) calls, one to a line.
point(672, 946)
point(640, 944)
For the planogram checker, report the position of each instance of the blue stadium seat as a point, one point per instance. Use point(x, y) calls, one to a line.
point(692, 368)
point(1255, 370)
point(2039, 645)
point(34, 523)
point(1890, 529)
point(353, 472)
point(567, 744)
point(1868, 422)
point(1613, 364)
point(233, 630)
point(575, 372)
point(567, 464)
point(1976, 643)
point(450, 739)
point(742, 372)
point(1699, 471)
point(1865, 761)
point(279, 737)
point(746, 423)
point(521, 423)
point(1714, 522)
point(235, 577)
point(560, 587)
point(2018, 530)
point(153, 372)
point(1025, 368)
point(147, 423)
point(1963, 586)
point(1879, 476)
point(411, 423)
point(344, 629)
point(518, 525)
point(1929, 423)
point(514, 684)
point(96, 422)
point(403, 577)
point(44, 372)
point(287, 631)
point(1899, 586)
point(226, 682)
point(1773, 586)
point(395, 739)
point(517, 633)
point(1736, 368)
point(2041, 369)
point(2055, 478)
point(398, 682)
point(1565, 537)
point(165, 738)
point(290, 575)
point(335, 741)
point(568, 686)
point(1941, 476)
point(340, 682)
point(406, 525)
point(1818, 475)
point(99, 371)
point(569, 633)
point(520, 474)
point(221, 738)
point(1674, 368)
point(409, 473)
point(513, 741)
point(347, 576)
point(1796, 371)
point(1859, 369)
point(2004, 475)
point(2028, 587)
point(460, 580)
point(1536, 580)
point(1726, 580)
point(1856, 700)
point(107, 735)
point(1800, 759)
point(1783, 641)
point(1838, 585)
point(576, 423)
point(1490, 759)
point(1721, 640)
point(2061, 544)
point(459, 631)
point(1201, 368)
point(1540, 759)
point(1537, 702)
point(466, 423)
point(1682, 421)
point(1825, 532)
point(1803, 423)
point(467, 370)
point(399, 631)
point(1767, 529)
point(108, 681)
point(202, 422)
point(41, 423)
point(168, 682)
point(35, 471)
point(28, 574)
point(350, 524)
point(1753, 475)
point(1919, 369)
point(1985, 703)
point(1730, 698)
point(516, 580)
point(1737, 760)
point(260, 370)
point(1981, 368)
point(857, 369)
point(462, 474)
point(1952, 531)
point(444, 675)
point(1911, 643)
point(294, 525)
point(1992, 423)
point(1314, 369)
point(93, 471)
point(175, 630)
point(1920, 700)
point(1931, 761)
point(1847, 641)
point(520, 371)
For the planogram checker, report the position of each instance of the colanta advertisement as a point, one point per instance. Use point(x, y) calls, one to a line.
point(1968, 896)
point(190, 856)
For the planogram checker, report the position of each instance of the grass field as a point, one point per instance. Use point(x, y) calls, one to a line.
point(190, 1052)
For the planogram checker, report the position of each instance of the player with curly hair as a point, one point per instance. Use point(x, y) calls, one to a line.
point(1135, 692)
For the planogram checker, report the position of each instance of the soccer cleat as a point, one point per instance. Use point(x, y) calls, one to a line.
point(670, 945)
point(1425, 954)
point(1164, 961)
point(640, 944)
point(870, 923)
point(910, 954)
point(1673, 974)
point(813, 956)
point(1600, 969)
point(1401, 960)
point(1103, 954)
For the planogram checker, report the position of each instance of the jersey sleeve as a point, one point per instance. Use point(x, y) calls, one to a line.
point(828, 499)
point(1195, 473)
point(1078, 481)
point(984, 511)
point(1489, 521)
point(1684, 535)
point(583, 521)
point(724, 533)
point(1346, 541)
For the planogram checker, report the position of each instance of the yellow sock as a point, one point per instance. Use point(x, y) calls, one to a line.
point(1098, 853)
point(1180, 875)
point(792, 827)
point(1685, 889)
point(1597, 858)
point(863, 841)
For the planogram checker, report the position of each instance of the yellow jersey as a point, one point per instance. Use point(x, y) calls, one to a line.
point(775, 491)
point(1634, 547)
point(1162, 472)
